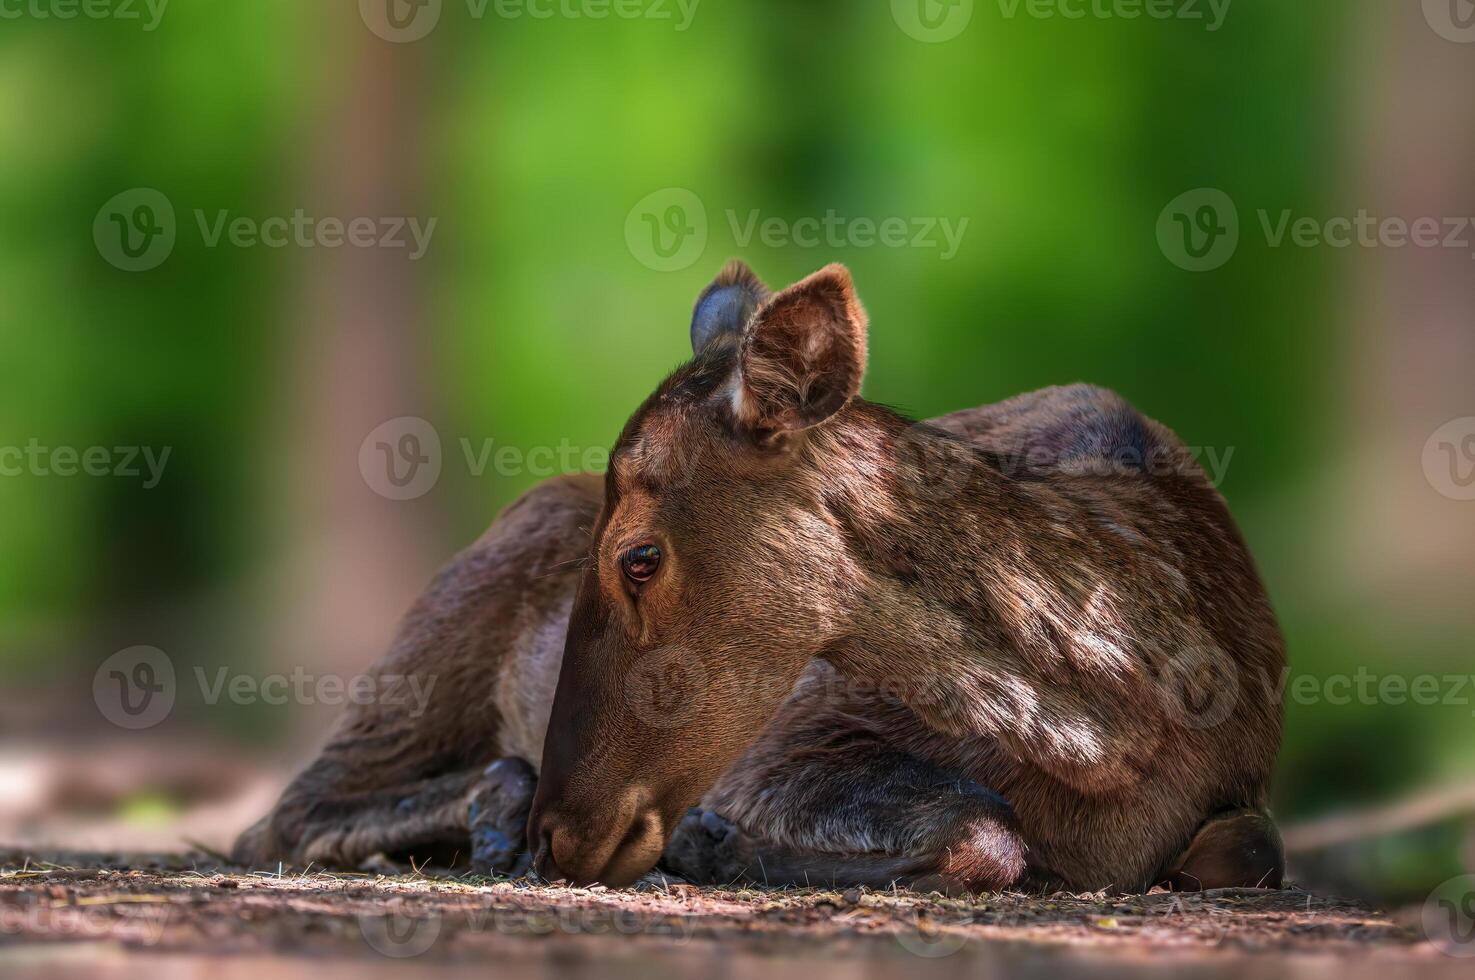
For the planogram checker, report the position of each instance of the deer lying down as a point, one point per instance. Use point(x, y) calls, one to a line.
point(998, 650)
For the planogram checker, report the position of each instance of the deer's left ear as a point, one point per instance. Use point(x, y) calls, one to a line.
point(724, 307)
point(803, 356)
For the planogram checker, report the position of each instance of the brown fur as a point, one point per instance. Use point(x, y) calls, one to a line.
point(949, 653)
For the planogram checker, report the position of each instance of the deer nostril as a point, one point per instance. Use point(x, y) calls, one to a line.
point(543, 858)
point(551, 844)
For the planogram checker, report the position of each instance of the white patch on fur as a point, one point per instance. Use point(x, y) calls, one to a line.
point(1108, 650)
point(1130, 534)
point(737, 395)
point(1174, 576)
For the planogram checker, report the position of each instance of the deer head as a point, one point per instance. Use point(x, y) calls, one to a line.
point(714, 576)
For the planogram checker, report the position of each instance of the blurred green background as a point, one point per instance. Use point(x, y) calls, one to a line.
point(535, 320)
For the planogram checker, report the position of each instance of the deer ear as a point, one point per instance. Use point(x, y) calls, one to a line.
point(803, 356)
point(724, 307)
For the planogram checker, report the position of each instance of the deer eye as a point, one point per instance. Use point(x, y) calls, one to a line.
point(641, 562)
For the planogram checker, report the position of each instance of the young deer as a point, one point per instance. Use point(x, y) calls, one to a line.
point(1002, 649)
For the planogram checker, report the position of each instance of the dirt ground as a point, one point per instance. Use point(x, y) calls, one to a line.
point(186, 915)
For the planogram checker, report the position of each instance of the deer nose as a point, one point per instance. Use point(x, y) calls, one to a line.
point(550, 830)
point(615, 849)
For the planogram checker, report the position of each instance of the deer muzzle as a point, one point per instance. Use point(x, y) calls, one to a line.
point(612, 844)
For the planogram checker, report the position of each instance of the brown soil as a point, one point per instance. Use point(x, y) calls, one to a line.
point(186, 914)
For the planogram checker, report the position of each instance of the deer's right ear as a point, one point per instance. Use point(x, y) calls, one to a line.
point(802, 357)
point(724, 307)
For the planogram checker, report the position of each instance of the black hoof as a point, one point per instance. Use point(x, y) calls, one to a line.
point(707, 848)
point(497, 818)
point(494, 853)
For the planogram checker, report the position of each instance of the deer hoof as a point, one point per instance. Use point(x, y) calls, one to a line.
point(494, 853)
point(707, 848)
point(1239, 849)
point(497, 816)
